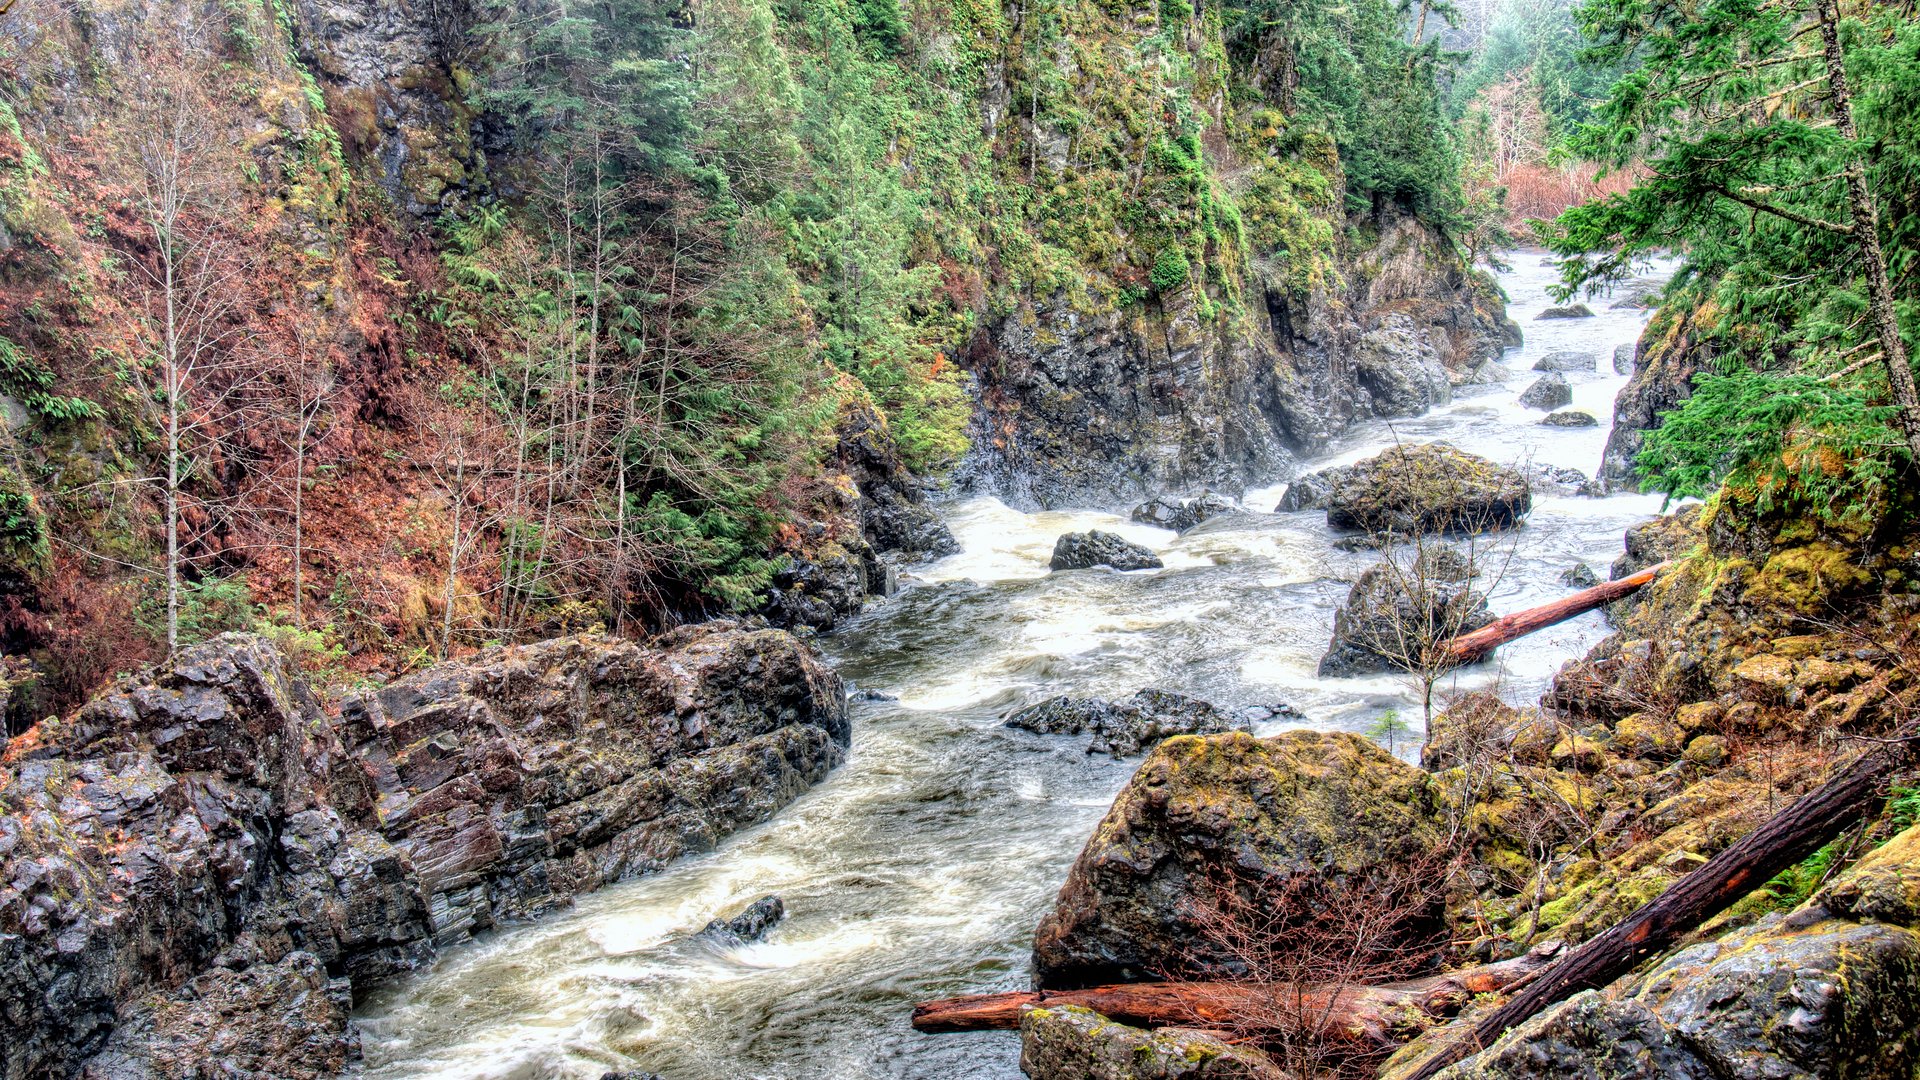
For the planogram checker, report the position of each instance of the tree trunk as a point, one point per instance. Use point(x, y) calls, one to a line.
point(1866, 233)
point(1468, 648)
point(1343, 1011)
point(1785, 839)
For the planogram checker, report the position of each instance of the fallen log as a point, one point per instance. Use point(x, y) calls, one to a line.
point(1782, 841)
point(1362, 1013)
point(1468, 648)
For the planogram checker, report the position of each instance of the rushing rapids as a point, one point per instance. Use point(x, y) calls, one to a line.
point(921, 867)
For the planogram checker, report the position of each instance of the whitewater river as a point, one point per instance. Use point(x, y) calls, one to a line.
point(920, 868)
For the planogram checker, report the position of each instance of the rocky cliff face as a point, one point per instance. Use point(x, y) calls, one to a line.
point(1105, 408)
point(204, 864)
point(1670, 352)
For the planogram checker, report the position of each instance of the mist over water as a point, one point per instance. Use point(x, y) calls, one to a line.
point(920, 868)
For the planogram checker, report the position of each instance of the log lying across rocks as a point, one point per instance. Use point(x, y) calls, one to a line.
point(1353, 1012)
point(1785, 839)
point(1468, 648)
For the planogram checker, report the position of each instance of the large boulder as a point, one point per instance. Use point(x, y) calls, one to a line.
point(1394, 613)
point(1415, 490)
point(1570, 311)
point(1831, 989)
point(1082, 551)
point(1067, 1042)
point(202, 865)
point(1301, 805)
point(1548, 392)
point(1126, 727)
point(1625, 357)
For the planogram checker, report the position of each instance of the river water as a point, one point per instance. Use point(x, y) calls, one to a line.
point(920, 868)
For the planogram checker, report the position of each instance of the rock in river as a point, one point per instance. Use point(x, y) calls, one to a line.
point(1548, 392)
point(1411, 490)
point(1568, 361)
point(1067, 1042)
point(1183, 514)
point(1312, 491)
point(1571, 311)
point(1570, 418)
point(1081, 551)
point(1125, 727)
point(750, 925)
point(203, 865)
point(1298, 806)
point(1393, 614)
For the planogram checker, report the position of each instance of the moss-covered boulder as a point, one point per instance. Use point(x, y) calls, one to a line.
point(1412, 490)
point(1067, 1042)
point(1301, 803)
point(1829, 990)
point(1393, 615)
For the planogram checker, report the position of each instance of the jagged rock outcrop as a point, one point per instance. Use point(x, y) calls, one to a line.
point(1067, 1042)
point(1831, 989)
point(203, 865)
point(1420, 490)
point(1300, 803)
point(1392, 615)
point(750, 925)
point(1670, 352)
point(1548, 392)
point(1084, 551)
point(1125, 727)
point(1312, 491)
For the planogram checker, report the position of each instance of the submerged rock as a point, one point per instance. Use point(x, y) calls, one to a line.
point(1571, 311)
point(1301, 805)
point(1414, 490)
point(1392, 615)
point(1125, 727)
point(750, 925)
point(1548, 392)
point(210, 866)
point(1183, 514)
point(1067, 1042)
point(1568, 361)
point(1570, 418)
point(1082, 551)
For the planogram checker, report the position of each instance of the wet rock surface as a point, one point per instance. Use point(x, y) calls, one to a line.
point(204, 865)
point(1300, 803)
point(1625, 357)
point(1125, 727)
point(1548, 392)
point(1067, 1042)
point(1420, 490)
point(1083, 551)
point(1670, 352)
point(1570, 311)
point(1312, 491)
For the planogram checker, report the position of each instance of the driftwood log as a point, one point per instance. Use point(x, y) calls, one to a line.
point(1362, 1013)
point(1468, 648)
point(1785, 839)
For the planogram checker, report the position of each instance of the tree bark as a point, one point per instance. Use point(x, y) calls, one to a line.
point(1468, 648)
point(1866, 233)
point(1785, 839)
point(1351, 1012)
